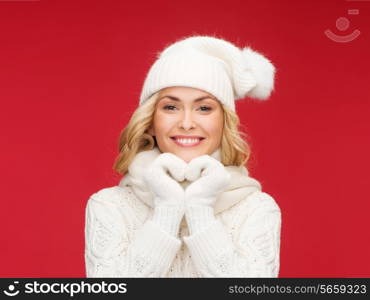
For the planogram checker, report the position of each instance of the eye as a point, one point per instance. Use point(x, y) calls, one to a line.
point(168, 107)
point(206, 108)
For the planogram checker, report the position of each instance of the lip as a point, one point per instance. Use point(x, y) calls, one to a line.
point(187, 137)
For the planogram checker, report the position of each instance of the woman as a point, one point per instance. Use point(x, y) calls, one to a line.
point(186, 206)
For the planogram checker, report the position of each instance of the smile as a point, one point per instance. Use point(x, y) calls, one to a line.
point(187, 142)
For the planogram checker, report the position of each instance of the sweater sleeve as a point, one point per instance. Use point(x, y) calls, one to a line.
point(253, 252)
point(109, 252)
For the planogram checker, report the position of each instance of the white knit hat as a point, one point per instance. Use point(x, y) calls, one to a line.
point(213, 65)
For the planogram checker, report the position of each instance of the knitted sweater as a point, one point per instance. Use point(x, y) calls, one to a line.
point(121, 240)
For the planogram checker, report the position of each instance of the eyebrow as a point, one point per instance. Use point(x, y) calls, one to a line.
point(177, 99)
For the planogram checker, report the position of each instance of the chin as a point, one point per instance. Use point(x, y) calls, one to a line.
point(187, 157)
point(186, 154)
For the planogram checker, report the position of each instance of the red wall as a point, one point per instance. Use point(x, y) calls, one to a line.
point(70, 76)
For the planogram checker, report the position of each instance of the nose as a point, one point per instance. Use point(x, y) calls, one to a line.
point(187, 120)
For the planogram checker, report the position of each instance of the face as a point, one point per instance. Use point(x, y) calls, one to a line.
point(188, 122)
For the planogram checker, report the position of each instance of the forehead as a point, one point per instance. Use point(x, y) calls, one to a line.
point(185, 94)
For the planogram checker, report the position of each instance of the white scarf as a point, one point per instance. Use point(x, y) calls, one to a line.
point(241, 185)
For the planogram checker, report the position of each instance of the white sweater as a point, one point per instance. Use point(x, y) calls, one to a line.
point(121, 240)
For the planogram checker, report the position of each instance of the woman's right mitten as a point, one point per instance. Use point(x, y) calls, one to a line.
point(162, 178)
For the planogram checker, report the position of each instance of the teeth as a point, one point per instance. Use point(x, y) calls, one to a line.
point(187, 141)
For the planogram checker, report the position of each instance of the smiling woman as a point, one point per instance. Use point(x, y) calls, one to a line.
point(186, 205)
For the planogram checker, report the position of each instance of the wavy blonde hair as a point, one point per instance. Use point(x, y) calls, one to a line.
point(134, 137)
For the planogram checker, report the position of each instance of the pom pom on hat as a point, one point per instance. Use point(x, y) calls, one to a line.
point(213, 65)
point(263, 72)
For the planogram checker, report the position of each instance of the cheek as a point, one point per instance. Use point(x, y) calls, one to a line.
point(214, 126)
point(215, 132)
point(162, 124)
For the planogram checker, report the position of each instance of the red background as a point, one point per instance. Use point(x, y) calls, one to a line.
point(70, 76)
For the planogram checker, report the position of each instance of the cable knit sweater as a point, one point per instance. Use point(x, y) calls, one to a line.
point(121, 239)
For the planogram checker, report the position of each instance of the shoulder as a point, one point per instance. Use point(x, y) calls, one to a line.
point(110, 195)
point(118, 200)
point(109, 205)
point(262, 201)
point(257, 200)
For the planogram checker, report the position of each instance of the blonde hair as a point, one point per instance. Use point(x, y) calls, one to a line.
point(134, 137)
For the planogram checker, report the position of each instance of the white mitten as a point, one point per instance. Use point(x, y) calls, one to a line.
point(169, 195)
point(210, 178)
